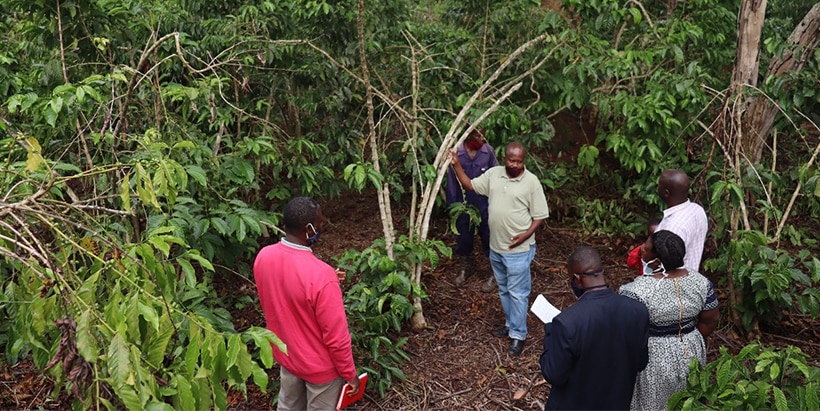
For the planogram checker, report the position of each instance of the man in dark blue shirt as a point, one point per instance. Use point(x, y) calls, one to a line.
point(475, 156)
point(594, 349)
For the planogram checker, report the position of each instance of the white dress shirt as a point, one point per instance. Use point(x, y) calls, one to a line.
point(688, 221)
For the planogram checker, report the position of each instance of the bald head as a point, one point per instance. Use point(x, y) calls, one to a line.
point(585, 268)
point(673, 187)
point(515, 148)
point(583, 260)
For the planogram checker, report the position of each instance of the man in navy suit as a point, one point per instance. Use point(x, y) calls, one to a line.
point(594, 349)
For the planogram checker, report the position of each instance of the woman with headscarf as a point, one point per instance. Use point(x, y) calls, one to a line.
point(683, 311)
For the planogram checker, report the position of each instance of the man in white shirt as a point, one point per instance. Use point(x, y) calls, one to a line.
point(683, 217)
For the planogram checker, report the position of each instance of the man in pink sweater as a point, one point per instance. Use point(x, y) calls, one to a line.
point(302, 302)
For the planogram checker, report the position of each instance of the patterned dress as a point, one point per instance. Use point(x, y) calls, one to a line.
point(674, 305)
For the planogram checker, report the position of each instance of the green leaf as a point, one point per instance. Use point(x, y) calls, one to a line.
point(263, 338)
point(149, 314)
point(119, 362)
point(80, 94)
point(185, 396)
point(87, 292)
point(125, 192)
point(238, 356)
point(762, 364)
point(774, 371)
point(129, 397)
point(812, 401)
point(198, 174)
point(86, 341)
point(747, 350)
point(185, 144)
point(723, 374)
point(155, 349)
point(234, 342)
point(780, 403)
point(158, 406)
point(50, 115)
point(188, 271)
point(159, 243)
point(35, 157)
point(193, 348)
point(91, 91)
point(220, 225)
point(636, 15)
point(56, 104)
point(260, 377)
point(220, 396)
point(800, 365)
point(193, 255)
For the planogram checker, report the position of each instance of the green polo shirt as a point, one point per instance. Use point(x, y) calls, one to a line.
point(514, 204)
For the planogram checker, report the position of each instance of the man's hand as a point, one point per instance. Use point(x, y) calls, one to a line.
point(354, 385)
point(454, 158)
point(341, 274)
point(517, 240)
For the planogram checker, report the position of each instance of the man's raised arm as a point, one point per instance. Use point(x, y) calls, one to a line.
point(460, 174)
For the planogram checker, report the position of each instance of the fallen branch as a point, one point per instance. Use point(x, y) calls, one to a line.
point(455, 394)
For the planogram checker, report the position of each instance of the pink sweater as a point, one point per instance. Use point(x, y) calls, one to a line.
point(302, 302)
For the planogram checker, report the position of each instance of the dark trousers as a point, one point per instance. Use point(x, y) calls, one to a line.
point(465, 239)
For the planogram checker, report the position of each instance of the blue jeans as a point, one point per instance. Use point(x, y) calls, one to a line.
point(512, 273)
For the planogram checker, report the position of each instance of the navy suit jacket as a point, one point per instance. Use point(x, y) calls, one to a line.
point(594, 350)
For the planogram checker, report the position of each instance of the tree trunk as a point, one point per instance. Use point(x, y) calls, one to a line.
point(749, 28)
point(762, 113)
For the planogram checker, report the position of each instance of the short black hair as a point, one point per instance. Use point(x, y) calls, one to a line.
point(584, 255)
point(669, 248)
point(298, 213)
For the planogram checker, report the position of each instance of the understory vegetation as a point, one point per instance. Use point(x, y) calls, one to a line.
point(147, 147)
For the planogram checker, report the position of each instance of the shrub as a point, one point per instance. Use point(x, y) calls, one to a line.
point(757, 378)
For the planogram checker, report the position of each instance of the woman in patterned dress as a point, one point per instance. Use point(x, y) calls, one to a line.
point(683, 310)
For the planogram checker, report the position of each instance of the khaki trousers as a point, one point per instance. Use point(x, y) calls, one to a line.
point(296, 394)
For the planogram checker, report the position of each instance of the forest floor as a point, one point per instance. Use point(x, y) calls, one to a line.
point(455, 364)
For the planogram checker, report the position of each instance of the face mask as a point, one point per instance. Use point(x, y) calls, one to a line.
point(313, 239)
point(474, 145)
point(647, 270)
point(578, 291)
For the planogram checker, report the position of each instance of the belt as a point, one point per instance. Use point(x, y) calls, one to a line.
point(655, 332)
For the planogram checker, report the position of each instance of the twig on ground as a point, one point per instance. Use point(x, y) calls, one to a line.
point(373, 401)
point(792, 340)
point(725, 340)
point(500, 403)
point(455, 394)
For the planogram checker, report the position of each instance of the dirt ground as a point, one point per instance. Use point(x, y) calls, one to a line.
point(455, 364)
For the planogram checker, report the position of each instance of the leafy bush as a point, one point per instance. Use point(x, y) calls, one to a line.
point(758, 378)
point(772, 281)
point(606, 217)
point(378, 304)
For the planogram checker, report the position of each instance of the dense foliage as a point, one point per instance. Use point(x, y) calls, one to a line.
point(756, 378)
point(148, 145)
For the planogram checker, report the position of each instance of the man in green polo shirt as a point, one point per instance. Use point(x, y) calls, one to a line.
point(517, 208)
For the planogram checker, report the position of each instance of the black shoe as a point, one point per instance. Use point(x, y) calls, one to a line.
point(516, 346)
point(501, 332)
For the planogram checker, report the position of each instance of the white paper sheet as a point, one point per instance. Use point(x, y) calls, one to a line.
point(544, 309)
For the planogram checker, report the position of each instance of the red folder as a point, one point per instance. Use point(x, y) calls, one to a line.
point(345, 398)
